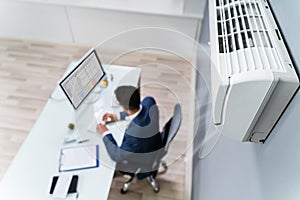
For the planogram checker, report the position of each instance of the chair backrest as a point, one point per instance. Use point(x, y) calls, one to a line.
point(168, 133)
point(171, 127)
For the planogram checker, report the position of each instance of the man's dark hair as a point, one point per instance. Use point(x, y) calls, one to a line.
point(129, 97)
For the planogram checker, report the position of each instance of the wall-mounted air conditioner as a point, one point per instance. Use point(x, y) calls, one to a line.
point(253, 78)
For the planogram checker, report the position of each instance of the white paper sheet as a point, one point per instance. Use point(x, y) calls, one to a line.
point(79, 158)
point(62, 185)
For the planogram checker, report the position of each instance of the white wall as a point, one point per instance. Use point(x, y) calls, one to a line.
point(194, 7)
point(87, 25)
point(92, 26)
point(270, 171)
point(278, 159)
point(34, 21)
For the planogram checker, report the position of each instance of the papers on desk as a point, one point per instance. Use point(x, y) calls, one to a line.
point(62, 186)
point(93, 126)
point(97, 119)
point(76, 158)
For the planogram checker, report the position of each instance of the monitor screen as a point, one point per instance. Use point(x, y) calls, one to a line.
point(78, 84)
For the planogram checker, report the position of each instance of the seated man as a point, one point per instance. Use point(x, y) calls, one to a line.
point(142, 139)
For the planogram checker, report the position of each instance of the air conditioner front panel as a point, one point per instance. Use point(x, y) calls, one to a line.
point(219, 86)
point(244, 101)
point(253, 78)
point(281, 96)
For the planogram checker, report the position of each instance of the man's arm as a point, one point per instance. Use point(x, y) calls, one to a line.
point(114, 151)
point(109, 117)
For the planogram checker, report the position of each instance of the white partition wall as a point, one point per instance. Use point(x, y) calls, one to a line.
point(91, 26)
point(91, 22)
point(34, 21)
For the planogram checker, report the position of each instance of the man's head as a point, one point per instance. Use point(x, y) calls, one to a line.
point(128, 97)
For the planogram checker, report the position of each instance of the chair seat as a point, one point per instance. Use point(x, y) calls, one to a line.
point(147, 164)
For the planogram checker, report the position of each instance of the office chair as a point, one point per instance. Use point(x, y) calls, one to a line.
point(168, 133)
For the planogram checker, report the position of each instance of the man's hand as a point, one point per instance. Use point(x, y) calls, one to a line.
point(101, 128)
point(108, 118)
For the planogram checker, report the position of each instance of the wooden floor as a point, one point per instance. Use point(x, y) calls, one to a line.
point(29, 71)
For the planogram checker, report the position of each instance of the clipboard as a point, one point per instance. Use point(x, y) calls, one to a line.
point(79, 158)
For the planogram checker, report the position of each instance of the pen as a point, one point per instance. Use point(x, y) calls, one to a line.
point(83, 141)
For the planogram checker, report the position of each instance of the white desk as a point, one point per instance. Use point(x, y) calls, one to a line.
point(30, 174)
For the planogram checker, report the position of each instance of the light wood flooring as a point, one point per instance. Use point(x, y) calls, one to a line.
point(29, 71)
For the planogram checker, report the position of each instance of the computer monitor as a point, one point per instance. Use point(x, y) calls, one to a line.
point(78, 84)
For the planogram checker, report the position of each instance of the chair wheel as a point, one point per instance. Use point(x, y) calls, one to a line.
point(122, 191)
point(164, 164)
point(156, 190)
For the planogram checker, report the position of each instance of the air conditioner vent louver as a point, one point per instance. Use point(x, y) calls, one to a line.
point(237, 20)
point(252, 81)
point(241, 25)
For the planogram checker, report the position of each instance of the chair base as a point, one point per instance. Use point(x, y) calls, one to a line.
point(126, 185)
point(165, 167)
point(154, 184)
